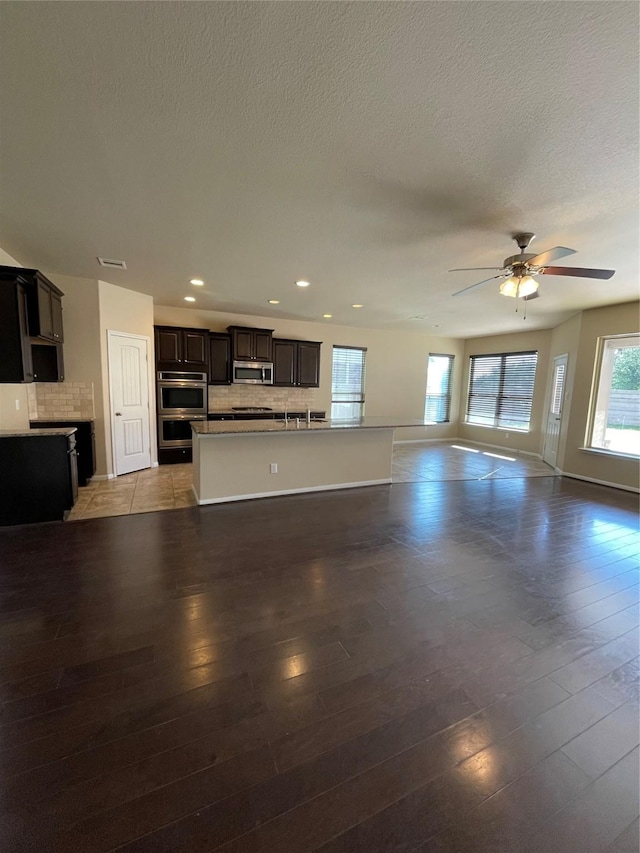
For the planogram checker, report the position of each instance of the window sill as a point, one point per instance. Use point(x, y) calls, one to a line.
point(498, 428)
point(601, 451)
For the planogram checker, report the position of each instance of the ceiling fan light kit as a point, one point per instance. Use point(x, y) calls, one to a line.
point(523, 286)
point(520, 269)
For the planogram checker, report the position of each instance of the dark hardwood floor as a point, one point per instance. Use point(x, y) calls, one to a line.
point(423, 667)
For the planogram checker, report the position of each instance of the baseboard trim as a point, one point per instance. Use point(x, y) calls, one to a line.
point(598, 482)
point(330, 488)
point(103, 477)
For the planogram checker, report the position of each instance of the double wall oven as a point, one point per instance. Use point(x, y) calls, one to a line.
point(181, 398)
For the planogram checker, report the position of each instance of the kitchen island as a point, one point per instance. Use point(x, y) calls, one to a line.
point(242, 460)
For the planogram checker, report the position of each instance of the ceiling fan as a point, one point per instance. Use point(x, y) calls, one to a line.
point(518, 270)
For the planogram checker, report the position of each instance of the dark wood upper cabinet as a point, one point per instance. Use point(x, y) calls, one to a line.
point(249, 344)
point(56, 317)
point(284, 362)
point(296, 363)
point(44, 312)
point(195, 347)
point(309, 364)
point(168, 345)
point(219, 358)
point(179, 348)
point(31, 332)
point(44, 301)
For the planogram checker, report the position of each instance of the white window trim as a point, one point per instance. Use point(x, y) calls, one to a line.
point(593, 400)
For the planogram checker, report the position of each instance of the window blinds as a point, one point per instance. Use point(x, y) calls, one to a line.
point(501, 389)
point(347, 382)
point(438, 397)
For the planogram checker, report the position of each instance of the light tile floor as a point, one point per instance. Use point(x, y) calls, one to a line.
point(169, 486)
point(166, 487)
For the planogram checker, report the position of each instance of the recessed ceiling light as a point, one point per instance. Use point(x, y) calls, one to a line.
point(302, 283)
point(273, 301)
point(197, 281)
point(357, 305)
point(189, 299)
point(326, 316)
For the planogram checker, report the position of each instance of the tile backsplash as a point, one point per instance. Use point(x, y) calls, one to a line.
point(225, 396)
point(55, 400)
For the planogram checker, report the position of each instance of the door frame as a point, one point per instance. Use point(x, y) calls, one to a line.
point(150, 397)
point(555, 359)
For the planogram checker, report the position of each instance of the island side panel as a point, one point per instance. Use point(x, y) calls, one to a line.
point(237, 467)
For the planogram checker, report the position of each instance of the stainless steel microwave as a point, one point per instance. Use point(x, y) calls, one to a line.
point(252, 373)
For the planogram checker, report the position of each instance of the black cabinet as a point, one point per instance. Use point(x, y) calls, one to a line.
point(48, 362)
point(249, 344)
point(16, 364)
point(31, 331)
point(85, 445)
point(39, 478)
point(296, 363)
point(180, 348)
point(219, 358)
point(45, 308)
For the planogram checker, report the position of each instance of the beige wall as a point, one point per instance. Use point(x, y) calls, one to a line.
point(396, 362)
point(81, 318)
point(126, 311)
point(595, 323)
point(528, 442)
point(14, 404)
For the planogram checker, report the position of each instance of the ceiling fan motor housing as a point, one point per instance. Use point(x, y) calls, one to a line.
point(518, 260)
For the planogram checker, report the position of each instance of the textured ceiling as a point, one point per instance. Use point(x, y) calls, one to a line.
point(366, 147)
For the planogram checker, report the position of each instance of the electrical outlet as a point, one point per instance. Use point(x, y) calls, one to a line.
point(506, 435)
point(17, 405)
point(274, 467)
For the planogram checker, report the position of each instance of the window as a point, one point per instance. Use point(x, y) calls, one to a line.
point(438, 397)
point(501, 390)
point(616, 408)
point(347, 383)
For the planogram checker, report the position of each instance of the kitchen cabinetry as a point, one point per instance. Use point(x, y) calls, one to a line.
point(31, 331)
point(45, 310)
point(16, 364)
point(181, 348)
point(219, 358)
point(296, 363)
point(39, 477)
point(85, 445)
point(249, 344)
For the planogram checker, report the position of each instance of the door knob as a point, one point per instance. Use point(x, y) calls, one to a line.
point(118, 414)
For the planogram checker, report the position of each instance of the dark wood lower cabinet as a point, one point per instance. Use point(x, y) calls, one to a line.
point(174, 455)
point(85, 445)
point(39, 478)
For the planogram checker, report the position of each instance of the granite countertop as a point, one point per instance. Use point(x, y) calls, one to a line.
point(29, 433)
point(61, 420)
point(269, 414)
point(234, 427)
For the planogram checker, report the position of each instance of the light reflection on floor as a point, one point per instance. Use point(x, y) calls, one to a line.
point(416, 463)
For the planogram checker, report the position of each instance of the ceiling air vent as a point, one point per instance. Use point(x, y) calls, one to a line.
point(114, 265)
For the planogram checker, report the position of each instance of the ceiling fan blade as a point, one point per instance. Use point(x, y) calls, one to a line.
point(531, 296)
point(550, 255)
point(578, 272)
point(479, 284)
point(473, 269)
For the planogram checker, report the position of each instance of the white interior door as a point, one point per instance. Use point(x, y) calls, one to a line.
point(554, 418)
point(129, 386)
